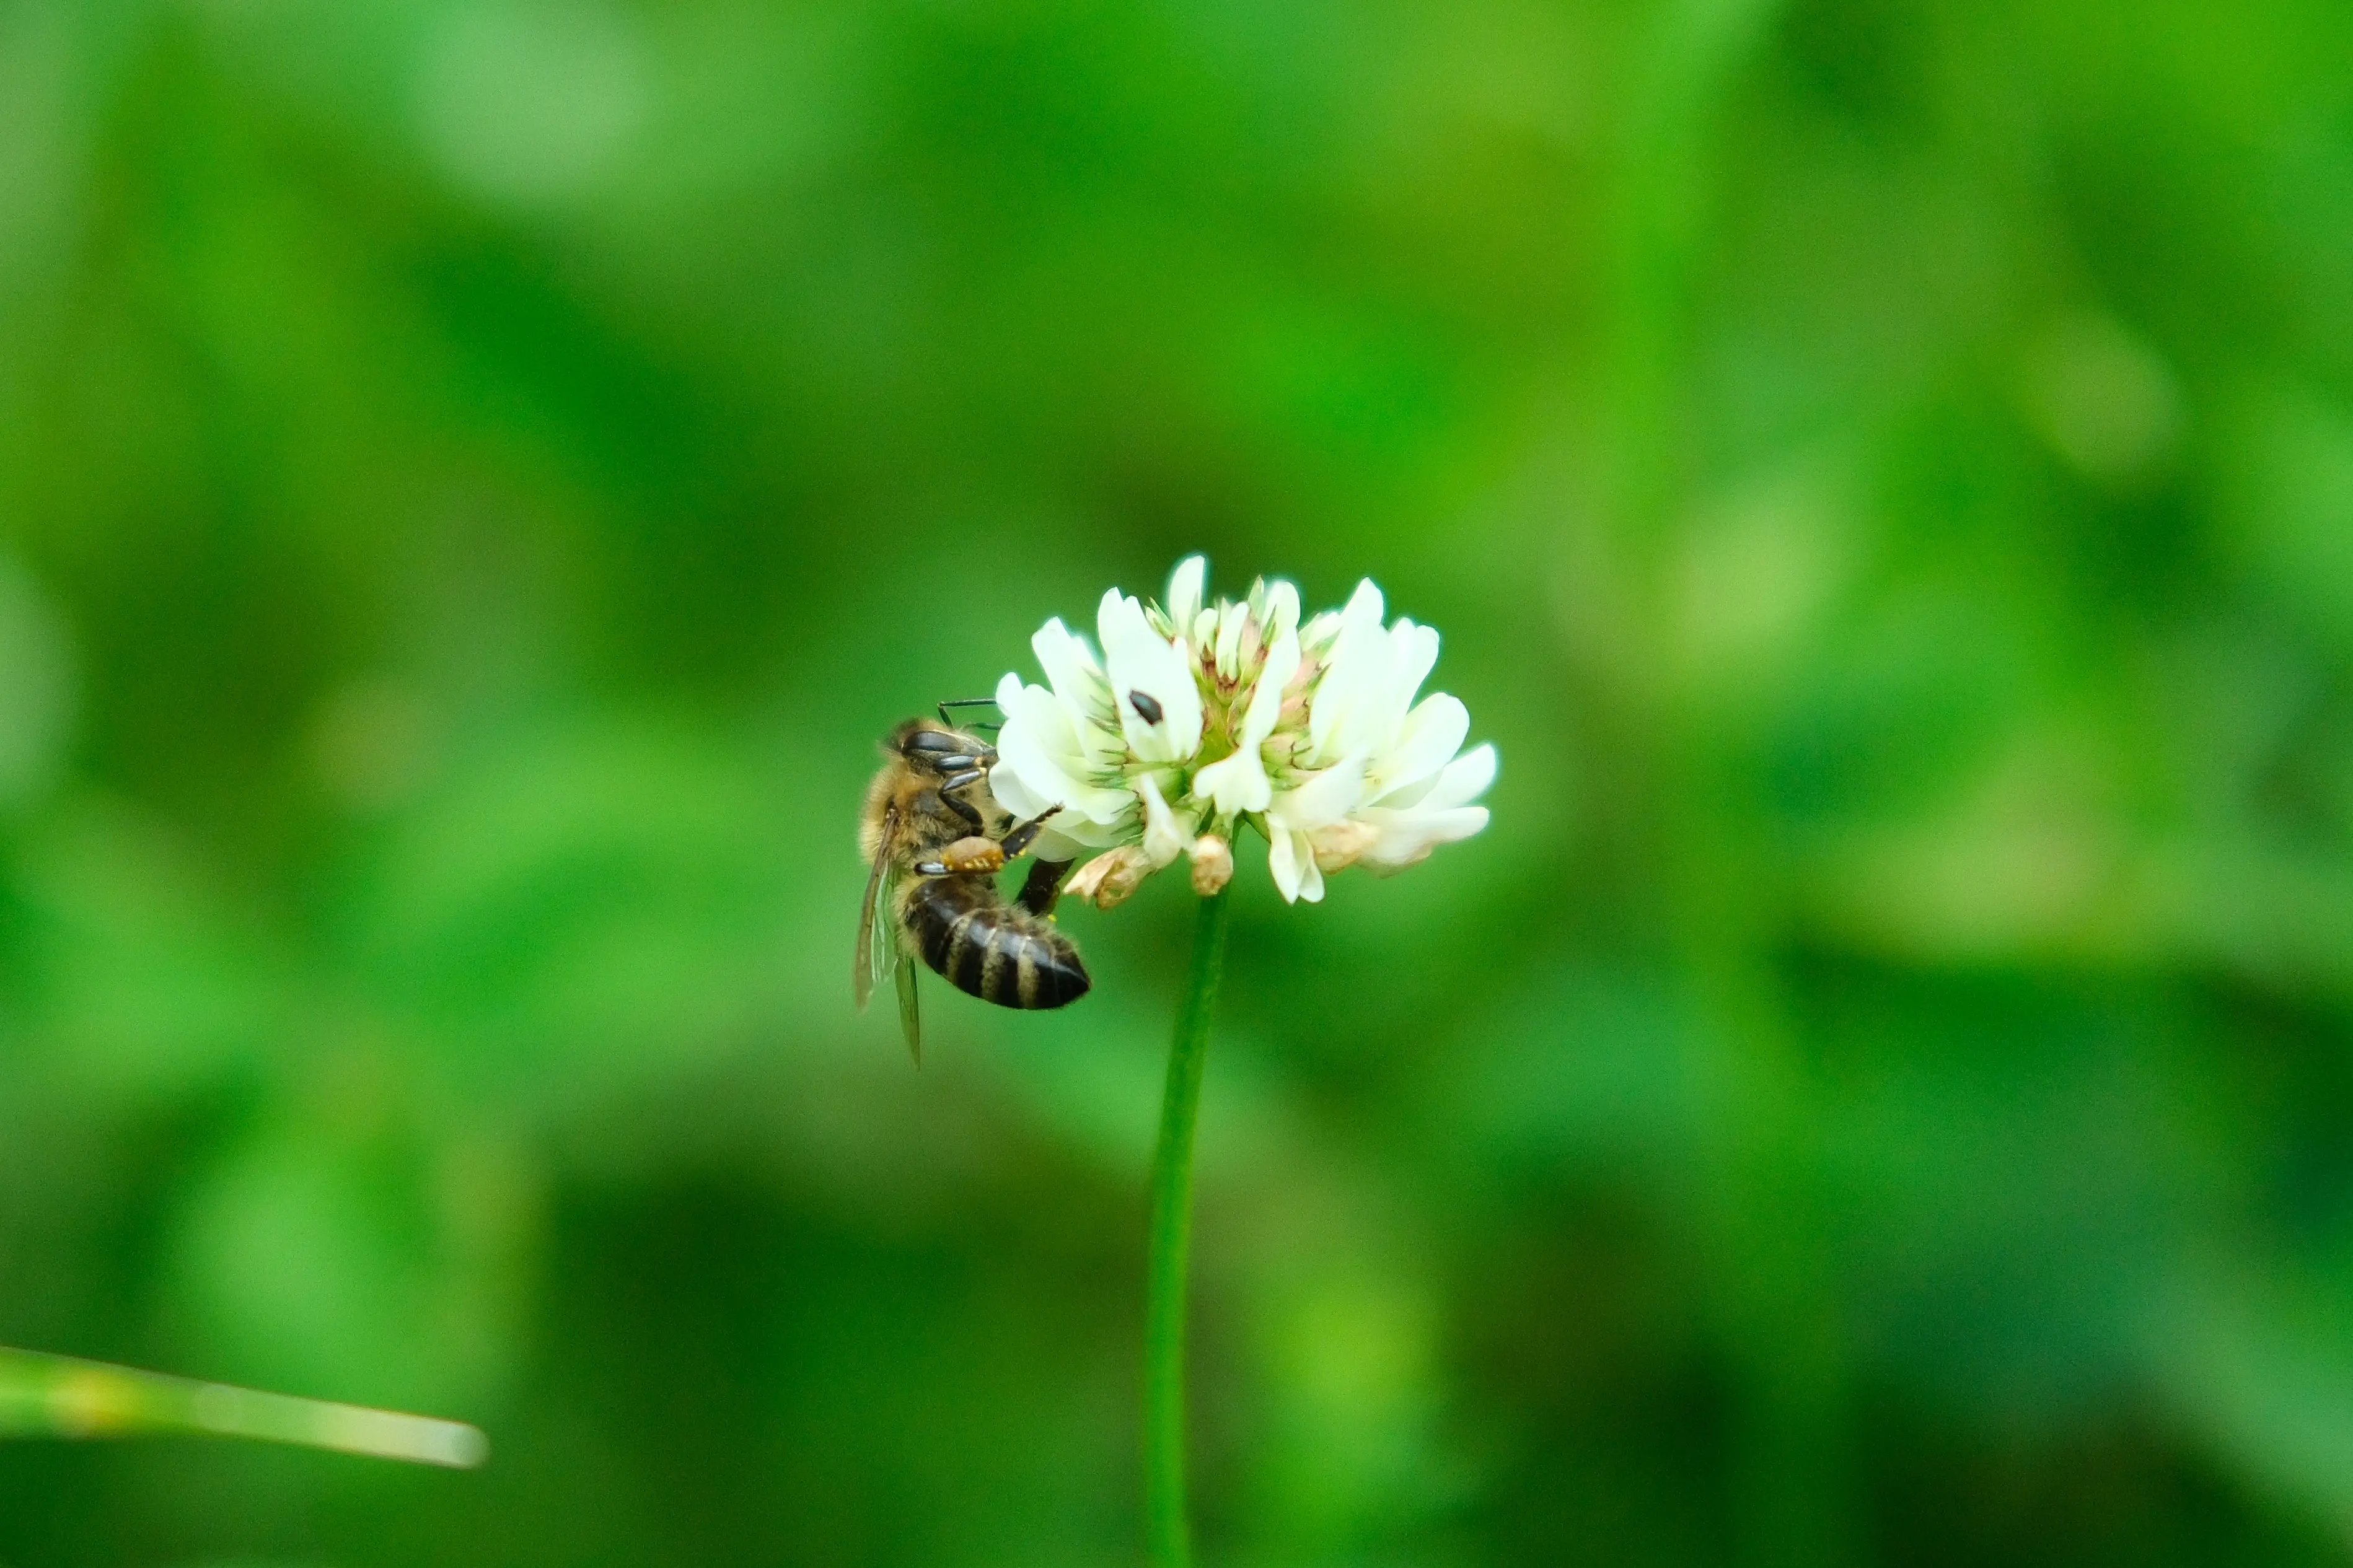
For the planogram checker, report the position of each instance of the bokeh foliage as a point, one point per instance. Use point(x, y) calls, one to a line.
point(476, 475)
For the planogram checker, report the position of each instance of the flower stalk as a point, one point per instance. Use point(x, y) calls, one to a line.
point(1168, 1530)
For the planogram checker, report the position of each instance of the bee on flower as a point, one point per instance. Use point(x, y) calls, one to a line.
point(1198, 718)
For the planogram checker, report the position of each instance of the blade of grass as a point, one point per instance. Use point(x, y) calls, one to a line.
point(62, 1396)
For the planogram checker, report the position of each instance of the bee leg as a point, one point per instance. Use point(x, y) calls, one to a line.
point(1044, 885)
point(962, 857)
point(950, 798)
point(1019, 836)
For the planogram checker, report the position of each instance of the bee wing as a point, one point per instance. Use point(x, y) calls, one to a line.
point(911, 1021)
point(878, 945)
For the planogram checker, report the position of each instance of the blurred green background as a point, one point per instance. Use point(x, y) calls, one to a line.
point(476, 479)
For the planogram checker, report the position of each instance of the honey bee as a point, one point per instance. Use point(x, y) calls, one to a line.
point(935, 840)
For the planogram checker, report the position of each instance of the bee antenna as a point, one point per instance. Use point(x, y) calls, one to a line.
point(964, 702)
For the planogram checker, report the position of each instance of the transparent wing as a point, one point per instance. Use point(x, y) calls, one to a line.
point(909, 1021)
point(878, 943)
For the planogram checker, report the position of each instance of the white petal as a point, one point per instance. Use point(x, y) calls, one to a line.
point(1408, 838)
point(1235, 784)
point(1140, 660)
point(1329, 705)
point(1231, 620)
point(1323, 798)
point(1046, 777)
point(1413, 653)
point(1266, 696)
point(1034, 708)
point(1431, 736)
point(1282, 609)
point(1069, 663)
point(1067, 833)
point(1186, 587)
point(1113, 612)
point(1285, 854)
point(1025, 780)
point(1344, 711)
point(1079, 685)
point(1164, 839)
point(1039, 723)
point(1013, 793)
point(1311, 875)
point(1466, 778)
point(1038, 785)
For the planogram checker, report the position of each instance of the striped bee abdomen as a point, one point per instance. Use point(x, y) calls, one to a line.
point(997, 950)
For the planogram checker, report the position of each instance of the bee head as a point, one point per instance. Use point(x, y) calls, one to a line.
point(928, 748)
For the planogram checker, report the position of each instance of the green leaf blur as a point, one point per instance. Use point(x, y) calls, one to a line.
point(477, 476)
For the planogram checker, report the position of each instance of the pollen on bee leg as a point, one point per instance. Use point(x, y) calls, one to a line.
point(974, 854)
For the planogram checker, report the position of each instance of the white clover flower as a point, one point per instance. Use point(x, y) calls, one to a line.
point(1197, 716)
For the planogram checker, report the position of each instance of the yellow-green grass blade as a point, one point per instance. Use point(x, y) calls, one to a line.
point(63, 1396)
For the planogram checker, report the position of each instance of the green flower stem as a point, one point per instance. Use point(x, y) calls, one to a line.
point(61, 1396)
point(1172, 1229)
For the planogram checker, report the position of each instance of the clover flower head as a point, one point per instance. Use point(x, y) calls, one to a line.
point(1199, 717)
